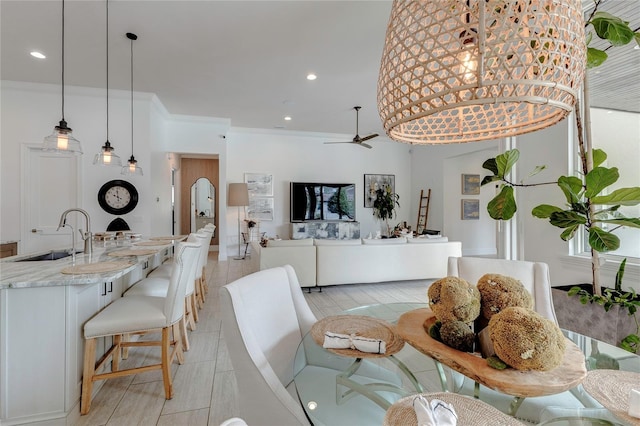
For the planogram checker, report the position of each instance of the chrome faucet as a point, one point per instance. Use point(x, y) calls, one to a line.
point(86, 236)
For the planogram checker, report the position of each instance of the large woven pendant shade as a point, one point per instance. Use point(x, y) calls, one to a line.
point(463, 71)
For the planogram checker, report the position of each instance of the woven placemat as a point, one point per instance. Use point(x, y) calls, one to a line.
point(96, 268)
point(611, 388)
point(132, 252)
point(153, 243)
point(470, 412)
point(362, 326)
point(169, 237)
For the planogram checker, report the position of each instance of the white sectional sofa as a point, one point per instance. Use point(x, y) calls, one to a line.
point(329, 262)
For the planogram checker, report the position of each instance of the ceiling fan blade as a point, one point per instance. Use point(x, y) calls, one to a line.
point(366, 138)
point(338, 142)
point(366, 145)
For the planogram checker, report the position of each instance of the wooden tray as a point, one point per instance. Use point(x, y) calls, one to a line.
point(510, 381)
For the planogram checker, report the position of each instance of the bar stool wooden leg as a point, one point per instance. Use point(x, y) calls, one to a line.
point(194, 307)
point(202, 289)
point(115, 358)
point(87, 375)
point(205, 285)
point(183, 333)
point(166, 363)
point(178, 349)
point(125, 349)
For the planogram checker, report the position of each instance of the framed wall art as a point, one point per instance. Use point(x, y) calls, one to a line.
point(374, 182)
point(470, 184)
point(260, 208)
point(259, 184)
point(470, 209)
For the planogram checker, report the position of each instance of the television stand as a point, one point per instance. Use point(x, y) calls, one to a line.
point(326, 229)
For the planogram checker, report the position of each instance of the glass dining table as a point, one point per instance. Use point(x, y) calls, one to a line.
point(322, 395)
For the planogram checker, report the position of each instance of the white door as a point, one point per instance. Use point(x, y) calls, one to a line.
point(50, 185)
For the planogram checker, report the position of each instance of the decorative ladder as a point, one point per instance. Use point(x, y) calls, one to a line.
point(423, 211)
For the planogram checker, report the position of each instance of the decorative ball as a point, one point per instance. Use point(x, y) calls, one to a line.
point(458, 335)
point(454, 299)
point(525, 340)
point(498, 292)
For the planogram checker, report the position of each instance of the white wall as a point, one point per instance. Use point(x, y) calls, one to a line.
point(303, 157)
point(29, 113)
point(439, 167)
point(478, 236)
point(202, 137)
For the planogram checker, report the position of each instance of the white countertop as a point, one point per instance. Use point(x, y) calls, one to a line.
point(15, 274)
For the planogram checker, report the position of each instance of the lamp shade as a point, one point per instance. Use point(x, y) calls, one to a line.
point(238, 195)
point(462, 71)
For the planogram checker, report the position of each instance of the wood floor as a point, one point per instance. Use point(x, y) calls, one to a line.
point(204, 386)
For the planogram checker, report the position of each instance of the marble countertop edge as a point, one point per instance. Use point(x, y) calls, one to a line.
point(26, 274)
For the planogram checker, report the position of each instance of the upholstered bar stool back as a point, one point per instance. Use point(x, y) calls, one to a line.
point(163, 272)
point(200, 279)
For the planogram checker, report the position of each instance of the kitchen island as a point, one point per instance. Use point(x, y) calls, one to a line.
point(42, 314)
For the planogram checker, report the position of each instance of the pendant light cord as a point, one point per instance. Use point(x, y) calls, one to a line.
point(107, 37)
point(131, 97)
point(63, 60)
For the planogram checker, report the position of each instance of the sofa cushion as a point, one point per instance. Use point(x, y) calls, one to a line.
point(322, 242)
point(290, 243)
point(428, 240)
point(384, 241)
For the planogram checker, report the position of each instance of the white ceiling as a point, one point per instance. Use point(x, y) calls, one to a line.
point(242, 60)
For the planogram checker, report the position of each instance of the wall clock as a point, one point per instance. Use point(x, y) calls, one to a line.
point(118, 197)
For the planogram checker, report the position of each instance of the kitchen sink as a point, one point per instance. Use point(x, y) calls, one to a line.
point(52, 255)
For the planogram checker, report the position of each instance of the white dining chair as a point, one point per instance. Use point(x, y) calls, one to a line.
point(138, 314)
point(264, 319)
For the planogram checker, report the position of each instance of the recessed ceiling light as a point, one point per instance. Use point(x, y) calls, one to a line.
point(637, 47)
point(609, 112)
point(37, 54)
point(287, 118)
point(311, 76)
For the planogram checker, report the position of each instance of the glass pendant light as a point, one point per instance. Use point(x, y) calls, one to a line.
point(132, 167)
point(61, 140)
point(106, 156)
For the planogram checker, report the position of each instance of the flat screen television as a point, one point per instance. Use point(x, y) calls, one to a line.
point(323, 201)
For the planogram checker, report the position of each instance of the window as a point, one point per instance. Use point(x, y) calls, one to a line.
point(618, 134)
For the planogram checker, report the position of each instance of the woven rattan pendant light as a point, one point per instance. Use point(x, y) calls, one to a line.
point(463, 71)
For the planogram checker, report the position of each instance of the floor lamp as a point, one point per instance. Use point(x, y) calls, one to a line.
point(238, 197)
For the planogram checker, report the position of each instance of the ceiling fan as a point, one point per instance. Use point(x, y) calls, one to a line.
point(357, 139)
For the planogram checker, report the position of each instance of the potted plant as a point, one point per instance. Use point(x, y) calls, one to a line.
point(384, 205)
point(588, 205)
